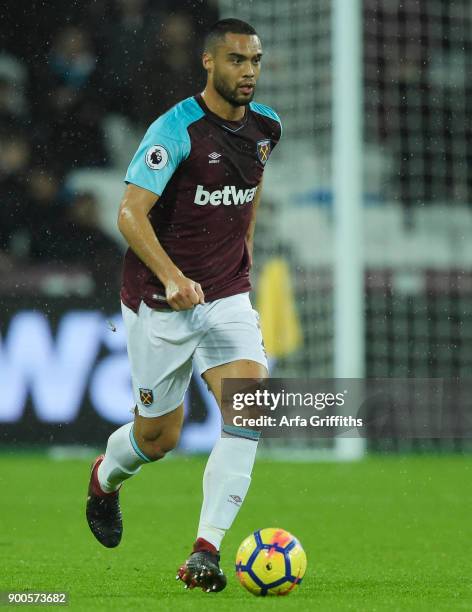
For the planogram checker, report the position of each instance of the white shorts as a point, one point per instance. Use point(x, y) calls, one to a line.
point(163, 345)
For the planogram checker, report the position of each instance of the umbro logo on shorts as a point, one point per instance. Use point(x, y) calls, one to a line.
point(227, 196)
point(146, 396)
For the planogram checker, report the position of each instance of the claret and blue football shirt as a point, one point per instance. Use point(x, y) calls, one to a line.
point(205, 171)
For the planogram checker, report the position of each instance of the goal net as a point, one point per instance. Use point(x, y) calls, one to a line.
point(417, 181)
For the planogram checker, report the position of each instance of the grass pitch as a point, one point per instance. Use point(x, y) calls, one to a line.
point(385, 534)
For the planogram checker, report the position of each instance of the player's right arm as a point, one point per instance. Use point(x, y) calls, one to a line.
point(164, 146)
point(181, 292)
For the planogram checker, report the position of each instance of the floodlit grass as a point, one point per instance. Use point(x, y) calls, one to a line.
point(385, 534)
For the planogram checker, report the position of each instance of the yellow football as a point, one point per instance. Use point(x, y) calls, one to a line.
point(270, 562)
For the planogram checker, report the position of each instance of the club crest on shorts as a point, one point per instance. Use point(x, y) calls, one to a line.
point(263, 150)
point(156, 157)
point(146, 396)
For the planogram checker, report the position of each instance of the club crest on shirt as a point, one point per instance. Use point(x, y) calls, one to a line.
point(156, 157)
point(263, 150)
point(146, 396)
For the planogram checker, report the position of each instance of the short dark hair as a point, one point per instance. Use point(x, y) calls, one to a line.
point(227, 26)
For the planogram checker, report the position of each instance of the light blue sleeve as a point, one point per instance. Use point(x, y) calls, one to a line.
point(158, 156)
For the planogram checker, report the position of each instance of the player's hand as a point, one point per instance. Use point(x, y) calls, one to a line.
point(183, 293)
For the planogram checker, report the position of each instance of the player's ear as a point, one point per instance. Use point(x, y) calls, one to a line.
point(207, 61)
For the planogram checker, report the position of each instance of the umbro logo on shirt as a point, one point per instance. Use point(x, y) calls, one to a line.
point(214, 158)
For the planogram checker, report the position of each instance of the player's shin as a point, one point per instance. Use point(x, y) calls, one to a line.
point(123, 459)
point(226, 481)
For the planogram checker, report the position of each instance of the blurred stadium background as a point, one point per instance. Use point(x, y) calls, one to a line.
point(79, 85)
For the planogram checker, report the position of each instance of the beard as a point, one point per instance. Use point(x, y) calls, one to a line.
point(231, 94)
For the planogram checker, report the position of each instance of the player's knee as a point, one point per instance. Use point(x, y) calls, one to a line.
point(152, 452)
point(158, 447)
point(168, 440)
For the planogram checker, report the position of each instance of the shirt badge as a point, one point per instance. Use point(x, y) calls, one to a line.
point(263, 150)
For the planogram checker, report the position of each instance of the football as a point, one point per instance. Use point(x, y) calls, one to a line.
point(270, 562)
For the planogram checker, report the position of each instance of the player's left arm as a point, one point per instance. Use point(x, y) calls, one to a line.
point(252, 224)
